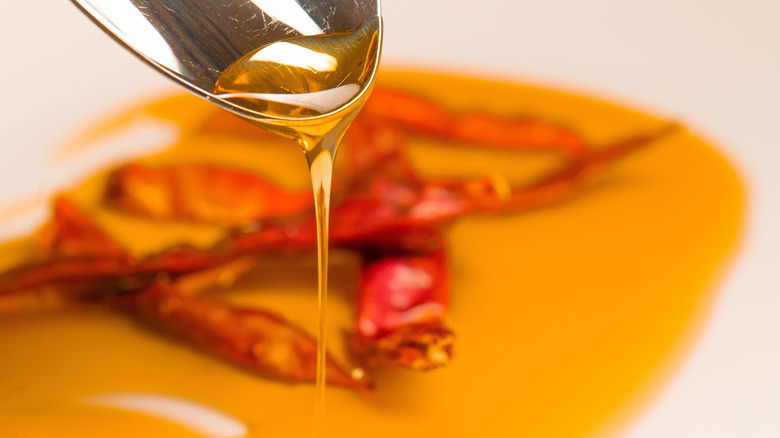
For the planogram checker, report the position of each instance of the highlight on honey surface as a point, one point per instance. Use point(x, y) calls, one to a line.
point(303, 76)
point(507, 259)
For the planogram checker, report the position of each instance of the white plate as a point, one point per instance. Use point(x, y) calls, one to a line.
point(713, 66)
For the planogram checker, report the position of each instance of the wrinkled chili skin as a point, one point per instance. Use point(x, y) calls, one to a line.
point(257, 340)
point(401, 310)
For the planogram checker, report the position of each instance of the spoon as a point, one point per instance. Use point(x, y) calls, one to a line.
point(300, 68)
point(194, 41)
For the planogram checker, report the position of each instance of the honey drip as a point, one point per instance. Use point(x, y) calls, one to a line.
point(309, 88)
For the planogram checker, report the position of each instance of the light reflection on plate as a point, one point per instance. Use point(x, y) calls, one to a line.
point(198, 417)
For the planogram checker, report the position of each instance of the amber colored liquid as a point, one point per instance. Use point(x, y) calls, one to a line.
point(569, 319)
point(303, 77)
point(312, 87)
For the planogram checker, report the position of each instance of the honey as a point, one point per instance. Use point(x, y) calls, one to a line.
point(569, 319)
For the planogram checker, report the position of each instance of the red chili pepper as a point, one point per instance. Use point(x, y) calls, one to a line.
point(200, 193)
point(401, 306)
point(257, 340)
point(420, 116)
point(71, 233)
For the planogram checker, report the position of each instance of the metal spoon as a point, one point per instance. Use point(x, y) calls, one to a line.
point(194, 41)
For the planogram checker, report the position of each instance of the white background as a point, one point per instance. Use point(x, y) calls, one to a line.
point(715, 65)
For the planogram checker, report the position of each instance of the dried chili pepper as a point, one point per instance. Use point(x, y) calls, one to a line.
point(421, 116)
point(258, 340)
point(200, 193)
point(401, 307)
point(71, 233)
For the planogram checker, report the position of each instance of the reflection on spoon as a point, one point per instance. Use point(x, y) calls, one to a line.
point(192, 415)
point(290, 13)
point(323, 101)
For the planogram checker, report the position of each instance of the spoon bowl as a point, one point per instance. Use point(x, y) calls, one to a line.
point(194, 41)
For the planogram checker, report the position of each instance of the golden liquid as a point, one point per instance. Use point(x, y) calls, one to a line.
point(313, 87)
point(569, 319)
point(305, 76)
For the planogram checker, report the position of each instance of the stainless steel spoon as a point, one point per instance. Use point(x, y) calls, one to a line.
point(194, 41)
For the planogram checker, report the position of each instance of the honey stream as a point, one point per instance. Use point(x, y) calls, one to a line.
point(569, 319)
point(314, 87)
